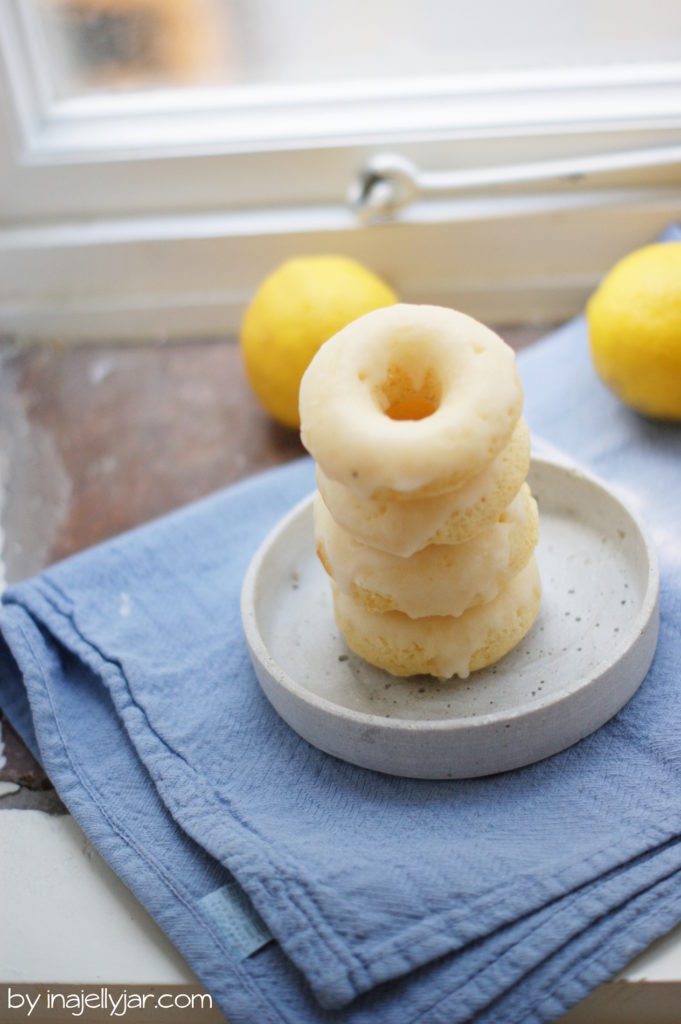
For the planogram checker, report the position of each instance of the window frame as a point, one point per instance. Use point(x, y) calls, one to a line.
point(93, 188)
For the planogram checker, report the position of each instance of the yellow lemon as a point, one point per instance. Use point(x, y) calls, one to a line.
point(635, 330)
point(296, 309)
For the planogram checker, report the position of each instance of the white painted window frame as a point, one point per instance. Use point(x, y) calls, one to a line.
point(158, 215)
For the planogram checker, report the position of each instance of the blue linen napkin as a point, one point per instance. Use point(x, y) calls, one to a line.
point(302, 889)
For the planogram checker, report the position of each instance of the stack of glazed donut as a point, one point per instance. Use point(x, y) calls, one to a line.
point(423, 519)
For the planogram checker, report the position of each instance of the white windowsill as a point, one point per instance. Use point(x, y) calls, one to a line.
point(531, 258)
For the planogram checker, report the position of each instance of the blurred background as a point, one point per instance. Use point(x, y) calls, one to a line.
point(141, 44)
point(159, 157)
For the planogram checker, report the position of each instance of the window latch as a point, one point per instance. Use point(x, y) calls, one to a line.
point(389, 182)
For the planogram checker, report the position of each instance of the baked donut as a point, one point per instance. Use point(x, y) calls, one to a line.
point(440, 645)
point(441, 579)
point(435, 393)
point(401, 528)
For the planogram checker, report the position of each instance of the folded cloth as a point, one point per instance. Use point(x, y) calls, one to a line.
point(303, 889)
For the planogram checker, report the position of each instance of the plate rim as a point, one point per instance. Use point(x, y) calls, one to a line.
point(258, 648)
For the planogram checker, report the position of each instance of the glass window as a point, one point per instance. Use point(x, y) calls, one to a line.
point(158, 156)
point(138, 44)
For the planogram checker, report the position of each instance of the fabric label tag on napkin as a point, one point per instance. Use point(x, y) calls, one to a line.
point(240, 926)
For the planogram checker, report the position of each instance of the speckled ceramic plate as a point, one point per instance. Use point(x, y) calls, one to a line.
point(584, 658)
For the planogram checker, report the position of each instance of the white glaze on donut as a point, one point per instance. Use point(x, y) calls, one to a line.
point(403, 527)
point(409, 400)
point(442, 579)
point(441, 645)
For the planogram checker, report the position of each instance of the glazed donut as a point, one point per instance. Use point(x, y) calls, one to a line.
point(441, 579)
point(409, 401)
point(441, 645)
point(401, 528)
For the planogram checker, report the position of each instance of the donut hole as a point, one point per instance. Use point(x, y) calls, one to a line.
point(401, 398)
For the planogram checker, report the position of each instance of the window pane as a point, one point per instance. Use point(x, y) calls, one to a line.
point(131, 44)
point(96, 45)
